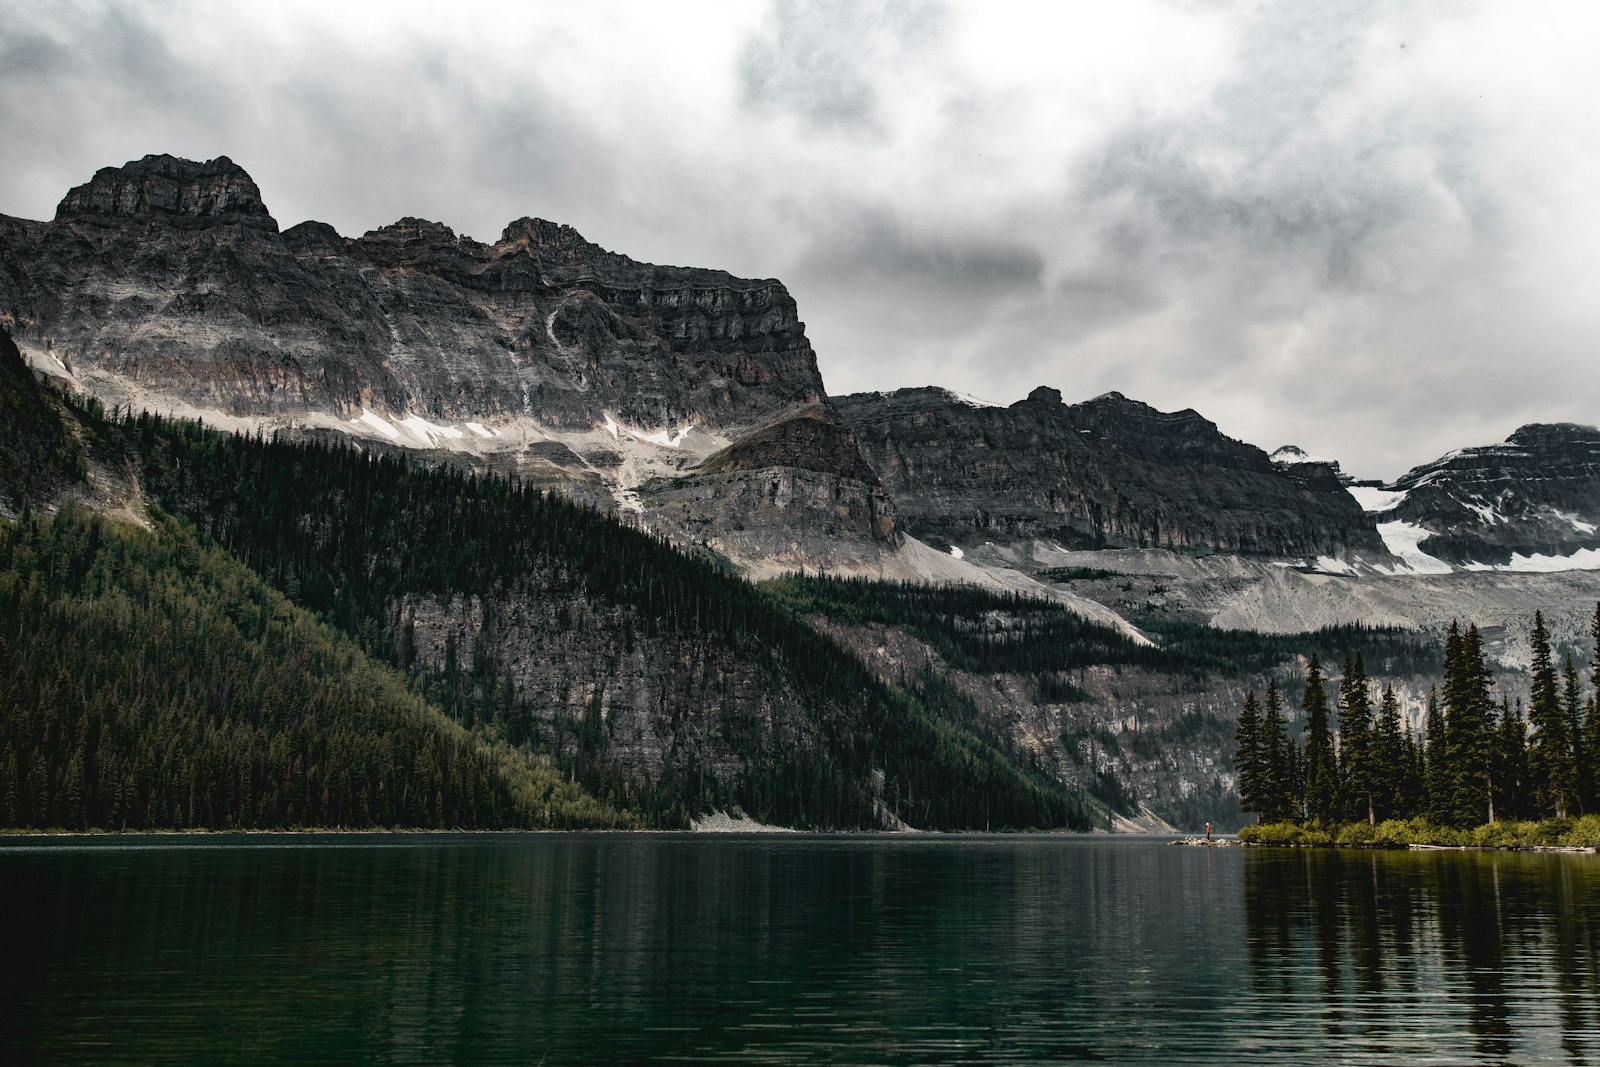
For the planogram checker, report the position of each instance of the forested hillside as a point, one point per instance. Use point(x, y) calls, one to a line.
point(660, 683)
point(150, 681)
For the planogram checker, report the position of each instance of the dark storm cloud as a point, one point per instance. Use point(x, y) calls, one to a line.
point(871, 246)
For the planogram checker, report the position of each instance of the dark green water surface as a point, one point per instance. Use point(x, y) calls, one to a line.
point(790, 949)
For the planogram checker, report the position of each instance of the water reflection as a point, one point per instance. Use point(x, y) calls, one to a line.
point(624, 948)
point(1491, 956)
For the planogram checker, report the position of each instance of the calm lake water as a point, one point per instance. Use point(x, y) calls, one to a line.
point(788, 949)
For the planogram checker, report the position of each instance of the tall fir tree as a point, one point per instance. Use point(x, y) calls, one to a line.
point(1591, 724)
point(1277, 760)
point(1580, 777)
point(1391, 760)
point(1321, 768)
point(1359, 771)
point(1549, 748)
point(1511, 771)
point(1247, 760)
point(1469, 728)
point(1438, 774)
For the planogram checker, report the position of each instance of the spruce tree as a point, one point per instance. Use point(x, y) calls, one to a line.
point(1469, 726)
point(1247, 760)
point(1358, 762)
point(1438, 774)
point(1512, 762)
point(1549, 748)
point(1391, 760)
point(1277, 760)
point(1579, 772)
point(1321, 770)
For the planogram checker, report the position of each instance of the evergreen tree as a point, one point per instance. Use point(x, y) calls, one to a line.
point(1469, 727)
point(1591, 725)
point(1512, 762)
point(1359, 764)
point(1580, 776)
point(1277, 760)
point(1391, 761)
point(1438, 775)
point(1549, 748)
point(1248, 752)
point(1321, 770)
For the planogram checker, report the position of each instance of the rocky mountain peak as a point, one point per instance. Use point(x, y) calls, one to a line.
point(541, 235)
point(1555, 435)
point(176, 190)
point(1045, 395)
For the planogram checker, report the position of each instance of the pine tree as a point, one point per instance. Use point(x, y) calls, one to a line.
point(1591, 725)
point(1391, 760)
point(1321, 770)
point(1359, 770)
point(1512, 762)
point(1247, 759)
point(1549, 748)
point(1469, 725)
point(1579, 771)
point(1277, 760)
point(1438, 773)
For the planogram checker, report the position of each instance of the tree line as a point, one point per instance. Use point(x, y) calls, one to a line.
point(352, 534)
point(1476, 761)
point(148, 680)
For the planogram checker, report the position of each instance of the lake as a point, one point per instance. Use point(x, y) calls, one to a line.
point(562, 948)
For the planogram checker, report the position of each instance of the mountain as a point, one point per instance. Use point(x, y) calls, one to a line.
point(1107, 473)
point(166, 285)
point(1529, 503)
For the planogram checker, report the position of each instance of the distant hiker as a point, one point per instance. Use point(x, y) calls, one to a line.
point(1208, 832)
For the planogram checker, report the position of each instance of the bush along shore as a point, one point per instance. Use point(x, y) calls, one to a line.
point(1577, 835)
point(1480, 774)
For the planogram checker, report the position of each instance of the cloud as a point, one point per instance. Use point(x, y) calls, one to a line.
point(1366, 227)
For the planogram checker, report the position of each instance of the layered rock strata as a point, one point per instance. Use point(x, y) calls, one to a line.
point(1107, 473)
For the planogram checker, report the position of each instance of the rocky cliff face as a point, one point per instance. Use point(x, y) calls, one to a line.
point(166, 284)
point(793, 494)
point(1537, 494)
point(1110, 472)
point(168, 280)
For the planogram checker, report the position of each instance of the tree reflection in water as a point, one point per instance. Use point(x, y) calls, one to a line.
point(1392, 953)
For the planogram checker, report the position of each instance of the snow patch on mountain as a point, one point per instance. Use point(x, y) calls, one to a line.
point(1292, 454)
point(372, 420)
point(1375, 500)
point(429, 433)
point(1584, 559)
point(1402, 538)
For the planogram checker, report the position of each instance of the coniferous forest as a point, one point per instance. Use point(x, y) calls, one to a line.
point(174, 734)
point(1477, 766)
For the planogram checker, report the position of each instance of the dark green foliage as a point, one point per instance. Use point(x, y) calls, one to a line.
point(149, 681)
point(1389, 764)
point(1076, 574)
point(1579, 757)
point(1279, 785)
point(1552, 773)
point(351, 536)
point(1513, 799)
point(1358, 755)
point(38, 452)
point(972, 629)
point(1438, 774)
point(1321, 797)
point(1196, 647)
point(1249, 762)
point(1469, 728)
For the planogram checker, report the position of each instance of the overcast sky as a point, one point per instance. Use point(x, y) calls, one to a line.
point(1369, 229)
